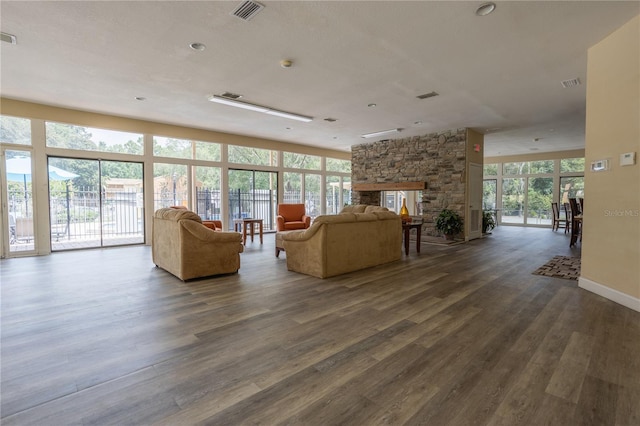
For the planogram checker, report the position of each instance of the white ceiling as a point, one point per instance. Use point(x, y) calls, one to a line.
point(500, 74)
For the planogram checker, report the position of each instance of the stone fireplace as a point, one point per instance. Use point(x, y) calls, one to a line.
point(436, 163)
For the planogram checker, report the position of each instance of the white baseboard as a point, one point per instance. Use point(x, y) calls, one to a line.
point(609, 293)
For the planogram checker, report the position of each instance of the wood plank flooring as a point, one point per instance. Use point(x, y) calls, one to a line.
point(455, 335)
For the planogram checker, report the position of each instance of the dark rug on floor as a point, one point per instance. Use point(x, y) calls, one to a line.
point(560, 267)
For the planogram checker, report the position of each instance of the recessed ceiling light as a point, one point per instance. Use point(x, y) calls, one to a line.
point(197, 46)
point(485, 9)
point(140, 98)
point(417, 122)
point(372, 105)
point(330, 120)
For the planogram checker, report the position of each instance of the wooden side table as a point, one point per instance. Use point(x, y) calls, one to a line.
point(407, 227)
point(247, 224)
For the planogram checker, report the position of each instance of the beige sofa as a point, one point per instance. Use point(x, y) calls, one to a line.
point(346, 242)
point(183, 246)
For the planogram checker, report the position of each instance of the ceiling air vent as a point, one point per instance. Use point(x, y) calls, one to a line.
point(427, 95)
point(247, 10)
point(570, 83)
point(231, 95)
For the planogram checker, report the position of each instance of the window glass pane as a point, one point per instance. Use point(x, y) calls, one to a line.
point(571, 165)
point(539, 197)
point(252, 194)
point(207, 151)
point(294, 160)
point(253, 156)
point(122, 213)
point(91, 139)
point(490, 169)
point(312, 198)
point(170, 147)
point(489, 194)
point(208, 197)
point(540, 167)
point(15, 130)
point(292, 188)
point(335, 165)
point(571, 187)
point(18, 171)
point(515, 168)
point(333, 186)
point(513, 200)
point(170, 185)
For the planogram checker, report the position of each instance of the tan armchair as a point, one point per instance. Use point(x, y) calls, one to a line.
point(216, 225)
point(186, 249)
point(292, 216)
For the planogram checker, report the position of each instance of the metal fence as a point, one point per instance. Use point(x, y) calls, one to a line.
point(96, 214)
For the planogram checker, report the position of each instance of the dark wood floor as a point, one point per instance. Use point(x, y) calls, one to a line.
point(455, 335)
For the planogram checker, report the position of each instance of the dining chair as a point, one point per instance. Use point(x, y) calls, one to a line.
point(576, 222)
point(567, 217)
point(557, 221)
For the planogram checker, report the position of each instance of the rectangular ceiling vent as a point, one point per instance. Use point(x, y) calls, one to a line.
point(231, 95)
point(570, 83)
point(247, 10)
point(427, 95)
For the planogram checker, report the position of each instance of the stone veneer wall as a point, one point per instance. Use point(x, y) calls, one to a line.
point(439, 159)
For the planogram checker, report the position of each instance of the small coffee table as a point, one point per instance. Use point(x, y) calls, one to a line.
point(247, 224)
point(407, 227)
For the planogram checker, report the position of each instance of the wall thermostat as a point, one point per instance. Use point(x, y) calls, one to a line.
point(599, 165)
point(628, 159)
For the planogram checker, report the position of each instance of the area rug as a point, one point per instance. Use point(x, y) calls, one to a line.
point(564, 267)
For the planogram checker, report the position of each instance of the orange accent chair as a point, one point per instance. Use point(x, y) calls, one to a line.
point(292, 216)
point(216, 225)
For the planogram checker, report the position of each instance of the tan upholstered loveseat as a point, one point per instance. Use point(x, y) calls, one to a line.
point(183, 246)
point(337, 244)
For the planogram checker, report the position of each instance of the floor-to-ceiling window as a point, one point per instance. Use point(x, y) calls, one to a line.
point(521, 193)
point(98, 189)
point(16, 190)
point(253, 185)
point(337, 186)
point(94, 201)
point(303, 183)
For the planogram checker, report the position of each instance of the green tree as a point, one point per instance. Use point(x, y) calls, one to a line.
point(15, 130)
point(72, 137)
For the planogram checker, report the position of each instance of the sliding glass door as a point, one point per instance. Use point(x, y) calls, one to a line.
point(253, 194)
point(95, 203)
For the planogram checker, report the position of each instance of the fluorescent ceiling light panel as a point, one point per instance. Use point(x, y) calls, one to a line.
point(258, 108)
point(8, 38)
point(288, 115)
point(238, 104)
point(380, 133)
